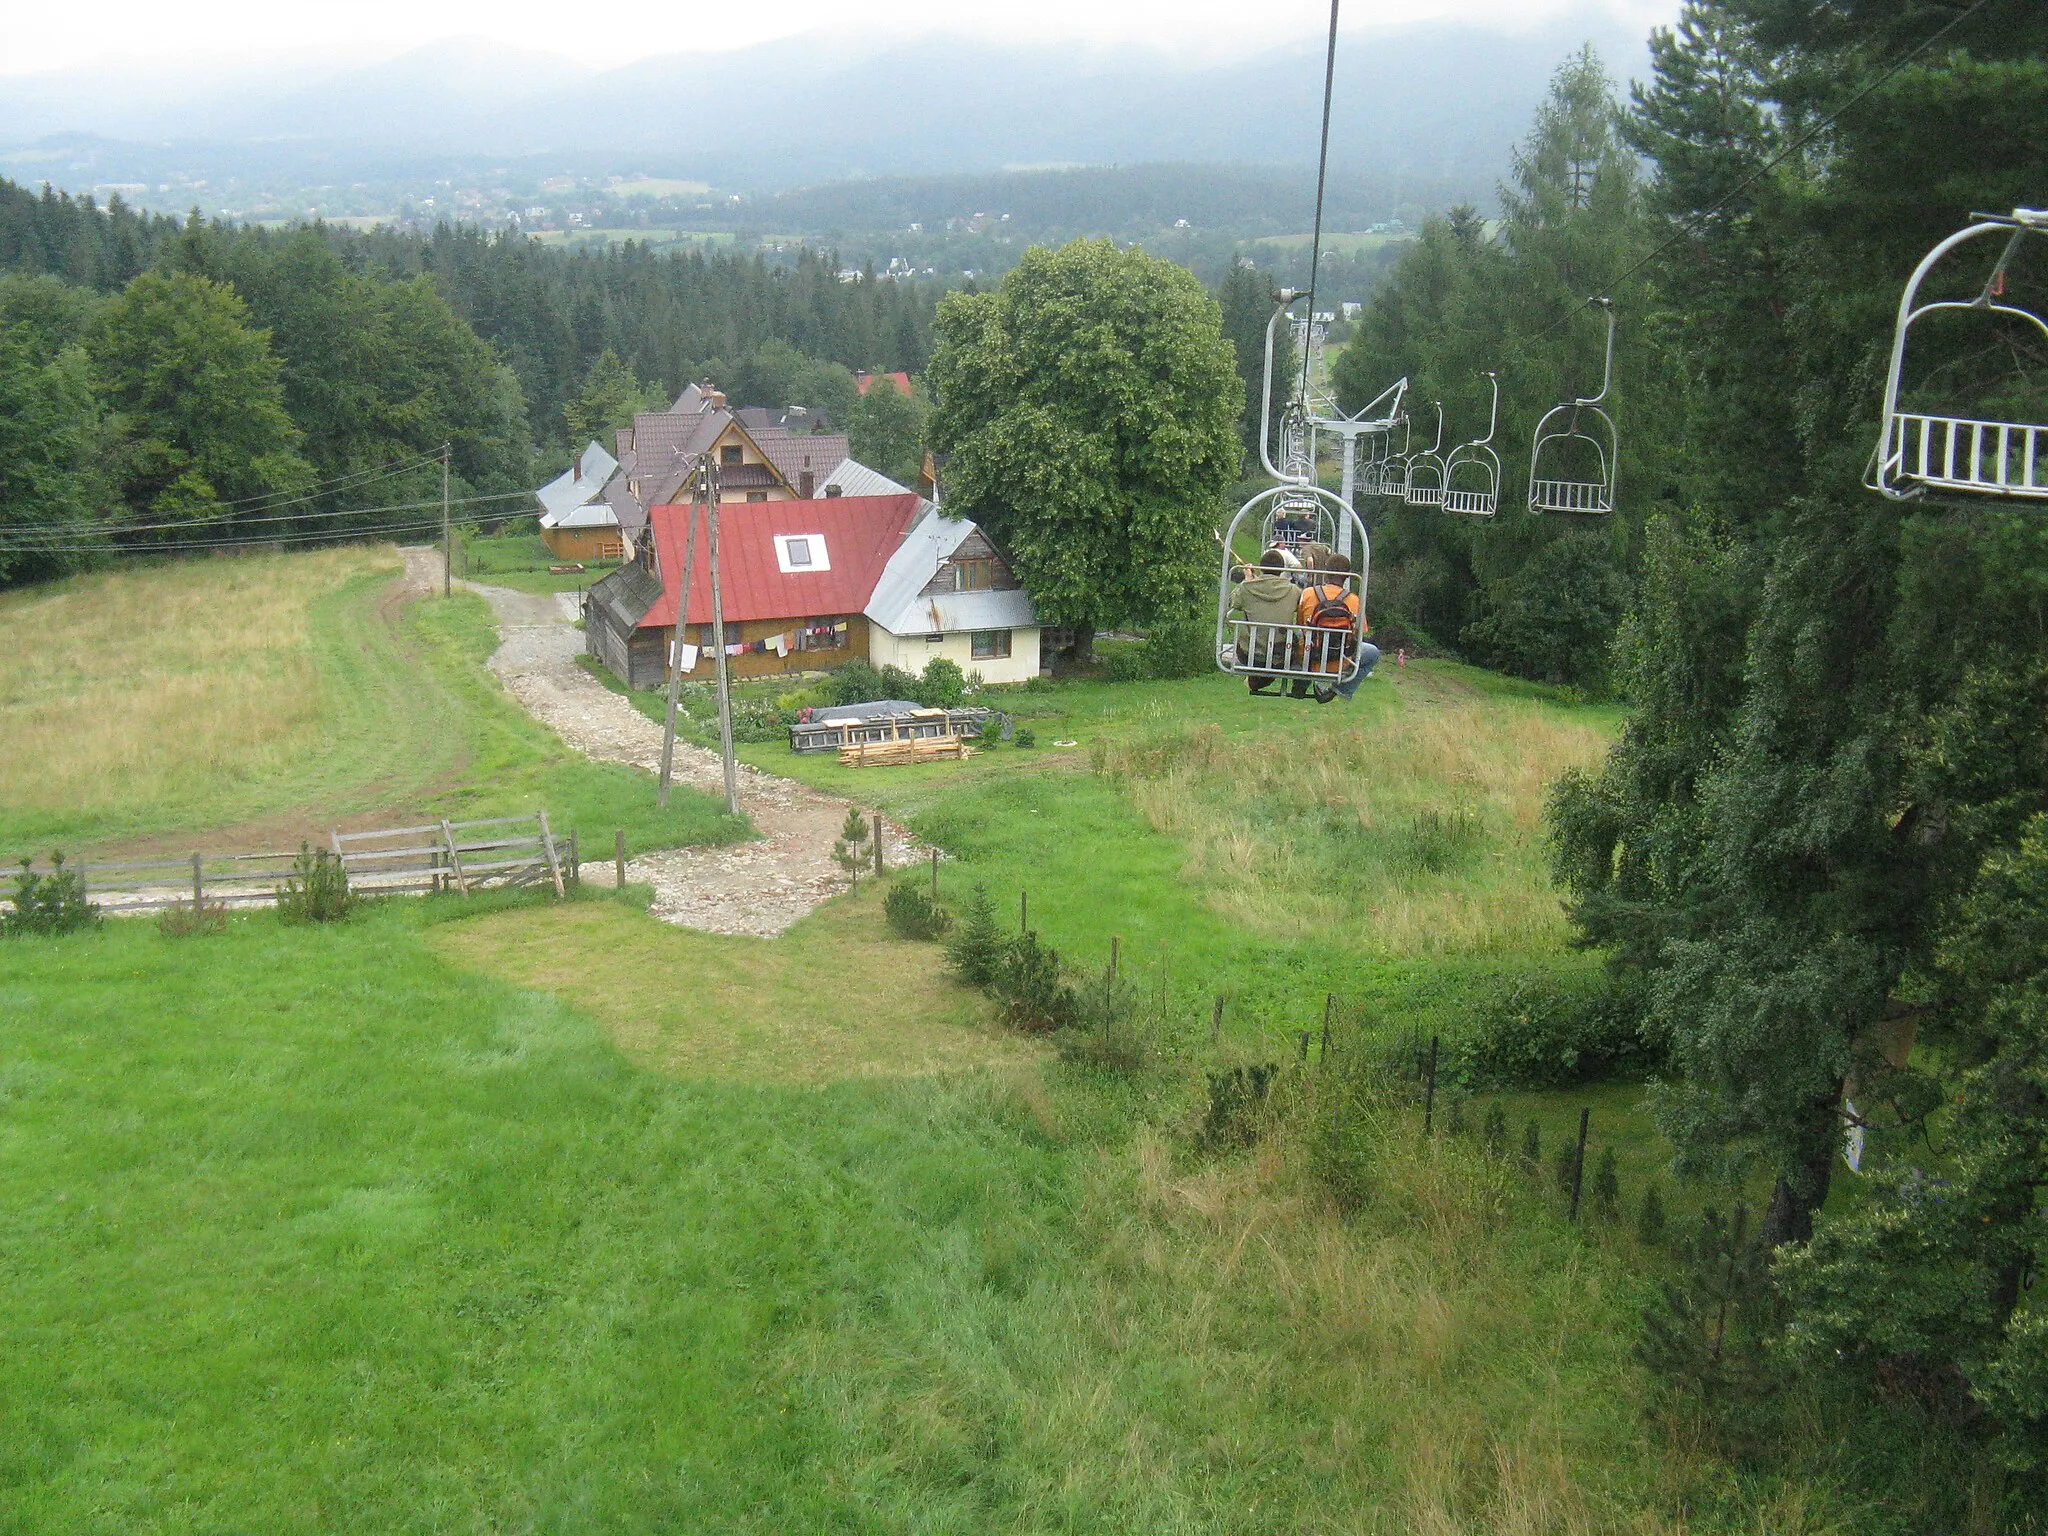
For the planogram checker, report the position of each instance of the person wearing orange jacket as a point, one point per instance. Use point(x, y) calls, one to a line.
point(1331, 604)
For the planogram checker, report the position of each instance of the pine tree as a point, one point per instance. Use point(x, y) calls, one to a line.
point(976, 949)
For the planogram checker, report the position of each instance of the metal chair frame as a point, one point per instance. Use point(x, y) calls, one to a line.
point(1961, 456)
point(1394, 472)
point(1427, 470)
point(1299, 652)
point(1478, 460)
point(1582, 420)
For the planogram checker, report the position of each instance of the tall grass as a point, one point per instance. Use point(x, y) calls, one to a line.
point(1418, 833)
point(142, 692)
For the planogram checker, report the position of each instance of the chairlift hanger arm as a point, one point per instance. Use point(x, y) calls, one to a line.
point(1288, 297)
point(1607, 367)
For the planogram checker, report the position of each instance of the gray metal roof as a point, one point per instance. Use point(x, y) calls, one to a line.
point(898, 607)
point(855, 479)
point(576, 487)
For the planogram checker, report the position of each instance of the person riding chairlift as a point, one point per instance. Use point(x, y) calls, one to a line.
point(1264, 597)
point(1331, 604)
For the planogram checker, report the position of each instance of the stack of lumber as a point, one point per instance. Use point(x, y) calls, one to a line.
point(908, 749)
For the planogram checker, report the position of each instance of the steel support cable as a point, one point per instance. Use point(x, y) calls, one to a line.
point(1791, 149)
point(1315, 248)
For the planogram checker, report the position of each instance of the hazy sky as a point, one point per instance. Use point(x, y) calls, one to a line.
point(153, 35)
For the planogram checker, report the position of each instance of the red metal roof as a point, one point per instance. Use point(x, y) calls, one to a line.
point(860, 534)
point(865, 381)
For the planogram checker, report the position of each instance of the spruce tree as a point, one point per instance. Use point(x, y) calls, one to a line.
point(976, 950)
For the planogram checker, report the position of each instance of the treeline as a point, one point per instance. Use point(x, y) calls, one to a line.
point(1818, 858)
point(171, 382)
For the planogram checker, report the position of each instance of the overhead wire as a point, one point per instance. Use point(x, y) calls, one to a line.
point(92, 537)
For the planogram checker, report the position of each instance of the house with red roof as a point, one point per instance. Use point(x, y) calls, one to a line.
point(809, 585)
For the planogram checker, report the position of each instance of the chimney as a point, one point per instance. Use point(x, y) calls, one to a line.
point(832, 491)
point(805, 485)
point(579, 464)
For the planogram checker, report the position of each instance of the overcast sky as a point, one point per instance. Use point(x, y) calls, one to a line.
point(153, 35)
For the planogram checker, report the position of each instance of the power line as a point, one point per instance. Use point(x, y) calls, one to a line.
point(90, 536)
point(331, 535)
point(178, 524)
point(214, 511)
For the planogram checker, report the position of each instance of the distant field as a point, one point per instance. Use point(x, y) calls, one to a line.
point(653, 237)
point(522, 562)
point(249, 702)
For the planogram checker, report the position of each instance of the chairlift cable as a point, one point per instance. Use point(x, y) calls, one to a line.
point(1315, 249)
point(1780, 158)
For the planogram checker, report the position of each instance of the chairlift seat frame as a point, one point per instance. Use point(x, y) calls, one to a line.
point(1305, 653)
point(1582, 420)
point(1965, 457)
point(1477, 460)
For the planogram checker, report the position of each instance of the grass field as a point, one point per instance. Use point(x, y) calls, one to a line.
point(544, 1216)
point(266, 697)
point(521, 561)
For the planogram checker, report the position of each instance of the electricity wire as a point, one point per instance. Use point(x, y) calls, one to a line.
point(92, 537)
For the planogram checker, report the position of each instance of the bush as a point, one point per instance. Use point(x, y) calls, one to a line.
point(317, 890)
point(914, 913)
point(976, 951)
point(1237, 1106)
point(52, 903)
point(859, 683)
point(1538, 1034)
point(1182, 648)
point(1026, 737)
point(186, 919)
point(943, 685)
point(851, 850)
point(1029, 989)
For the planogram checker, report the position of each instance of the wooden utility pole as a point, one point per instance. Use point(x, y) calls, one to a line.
point(705, 480)
point(447, 539)
point(732, 773)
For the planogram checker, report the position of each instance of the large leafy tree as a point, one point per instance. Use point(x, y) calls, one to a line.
point(51, 434)
point(885, 431)
point(201, 395)
point(1090, 407)
point(611, 396)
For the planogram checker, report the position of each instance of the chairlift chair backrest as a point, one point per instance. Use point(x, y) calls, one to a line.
point(1583, 422)
point(1472, 473)
point(1918, 452)
point(1394, 473)
point(1426, 469)
point(1303, 653)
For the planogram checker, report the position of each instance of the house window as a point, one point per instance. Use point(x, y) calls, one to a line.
point(974, 576)
point(799, 552)
point(731, 454)
point(757, 495)
point(990, 645)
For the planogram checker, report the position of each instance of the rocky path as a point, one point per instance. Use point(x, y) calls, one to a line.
point(757, 887)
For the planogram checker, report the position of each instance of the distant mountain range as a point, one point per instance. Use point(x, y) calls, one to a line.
point(1435, 105)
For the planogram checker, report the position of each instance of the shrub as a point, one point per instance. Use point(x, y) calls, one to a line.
point(1124, 664)
point(1538, 1034)
point(1606, 1187)
point(52, 903)
point(943, 685)
point(1532, 1146)
point(187, 919)
point(1111, 1034)
point(317, 889)
point(1650, 1218)
point(1237, 1106)
point(976, 950)
point(1026, 737)
point(1029, 988)
point(1181, 648)
point(851, 850)
point(1494, 1133)
point(859, 683)
point(914, 913)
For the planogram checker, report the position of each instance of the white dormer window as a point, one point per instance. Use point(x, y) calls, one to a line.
point(802, 552)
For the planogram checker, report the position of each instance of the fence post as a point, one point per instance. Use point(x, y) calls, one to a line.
point(1304, 1047)
point(1023, 912)
point(1429, 1094)
point(878, 842)
point(1109, 977)
point(547, 843)
point(198, 885)
point(575, 862)
point(1579, 1161)
point(1329, 1007)
point(619, 858)
point(935, 874)
point(1216, 1022)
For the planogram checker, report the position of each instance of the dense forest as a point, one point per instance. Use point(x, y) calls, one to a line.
point(1818, 858)
point(176, 380)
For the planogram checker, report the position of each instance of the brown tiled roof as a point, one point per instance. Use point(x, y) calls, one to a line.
point(632, 516)
point(794, 452)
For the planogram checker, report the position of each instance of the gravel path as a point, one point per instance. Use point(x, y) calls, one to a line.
point(757, 887)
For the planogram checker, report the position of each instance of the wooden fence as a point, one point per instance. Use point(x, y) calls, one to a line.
point(444, 855)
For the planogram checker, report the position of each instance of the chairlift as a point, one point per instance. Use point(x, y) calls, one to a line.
point(1291, 652)
point(1472, 473)
point(1577, 435)
point(1426, 470)
point(1394, 473)
point(1917, 451)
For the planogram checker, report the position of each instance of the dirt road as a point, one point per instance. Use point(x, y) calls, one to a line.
point(758, 887)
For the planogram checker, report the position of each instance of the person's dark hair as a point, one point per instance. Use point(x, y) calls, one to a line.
point(1273, 562)
point(1338, 565)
